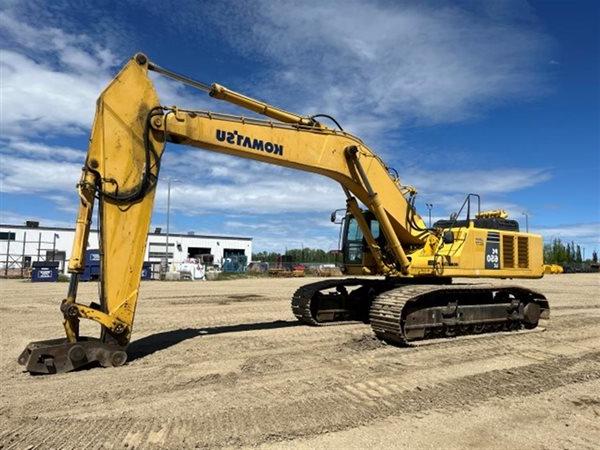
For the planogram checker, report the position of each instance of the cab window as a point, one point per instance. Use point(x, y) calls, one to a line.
point(374, 225)
point(354, 232)
point(354, 242)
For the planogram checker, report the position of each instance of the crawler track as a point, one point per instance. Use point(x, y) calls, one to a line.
point(410, 313)
point(403, 313)
point(310, 300)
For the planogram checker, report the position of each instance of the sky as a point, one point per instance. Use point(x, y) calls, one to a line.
point(500, 98)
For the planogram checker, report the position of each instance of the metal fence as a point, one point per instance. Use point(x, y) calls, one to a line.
point(20, 250)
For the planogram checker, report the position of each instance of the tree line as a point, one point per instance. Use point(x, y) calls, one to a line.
point(298, 255)
point(559, 253)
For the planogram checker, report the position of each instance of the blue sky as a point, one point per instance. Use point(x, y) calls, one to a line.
point(500, 98)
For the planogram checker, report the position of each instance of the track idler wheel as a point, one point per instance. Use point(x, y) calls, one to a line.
point(531, 315)
point(60, 355)
point(118, 358)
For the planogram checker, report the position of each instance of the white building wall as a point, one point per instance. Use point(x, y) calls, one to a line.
point(179, 246)
point(42, 239)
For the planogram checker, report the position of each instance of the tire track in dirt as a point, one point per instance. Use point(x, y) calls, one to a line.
point(271, 367)
point(239, 378)
point(290, 361)
point(321, 412)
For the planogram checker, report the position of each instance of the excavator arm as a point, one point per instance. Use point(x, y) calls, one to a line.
point(121, 171)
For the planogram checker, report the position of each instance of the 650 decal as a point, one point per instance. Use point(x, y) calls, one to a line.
point(492, 250)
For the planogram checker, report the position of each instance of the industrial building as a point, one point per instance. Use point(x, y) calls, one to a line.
point(22, 245)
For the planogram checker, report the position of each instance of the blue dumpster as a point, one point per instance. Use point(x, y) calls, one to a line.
point(44, 271)
point(91, 269)
point(147, 271)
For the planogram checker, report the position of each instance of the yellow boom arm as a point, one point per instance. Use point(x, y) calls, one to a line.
point(123, 162)
point(122, 167)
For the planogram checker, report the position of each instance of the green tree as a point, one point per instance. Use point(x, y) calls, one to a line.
point(298, 255)
point(559, 253)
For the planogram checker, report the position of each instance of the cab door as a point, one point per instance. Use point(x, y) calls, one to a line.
point(355, 249)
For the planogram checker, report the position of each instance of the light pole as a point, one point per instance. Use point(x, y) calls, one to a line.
point(526, 221)
point(169, 180)
point(54, 246)
point(429, 208)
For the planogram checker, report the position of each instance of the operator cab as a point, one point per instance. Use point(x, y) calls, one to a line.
point(353, 244)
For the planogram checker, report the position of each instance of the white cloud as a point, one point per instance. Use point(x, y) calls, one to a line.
point(68, 203)
point(57, 102)
point(582, 233)
point(51, 80)
point(77, 52)
point(30, 176)
point(263, 196)
point(381, 65)
point(15, 218)
point(497, 180)
point(36, 150)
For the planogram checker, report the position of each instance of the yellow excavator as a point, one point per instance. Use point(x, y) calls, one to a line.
point(414, 297)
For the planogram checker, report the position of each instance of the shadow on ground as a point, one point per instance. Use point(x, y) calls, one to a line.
point(160, 341)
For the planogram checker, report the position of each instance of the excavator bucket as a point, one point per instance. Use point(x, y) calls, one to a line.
point(60, 355)
point(121, 171)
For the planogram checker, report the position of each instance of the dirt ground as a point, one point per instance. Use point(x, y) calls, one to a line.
point(225, 364)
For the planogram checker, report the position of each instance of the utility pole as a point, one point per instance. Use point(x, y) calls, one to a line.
point(39, 245)
point(526, 221)
point(54, 246)
point(23, 254)
point(429, 208)
point(7, 255)
point(168, 219)
point(168, 214)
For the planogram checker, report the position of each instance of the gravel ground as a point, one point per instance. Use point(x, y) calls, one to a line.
point(225, 364)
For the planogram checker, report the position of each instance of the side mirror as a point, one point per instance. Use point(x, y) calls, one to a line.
point(448, 237)
point(334, 215)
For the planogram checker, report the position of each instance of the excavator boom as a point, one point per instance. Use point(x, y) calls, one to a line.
point(122, 167)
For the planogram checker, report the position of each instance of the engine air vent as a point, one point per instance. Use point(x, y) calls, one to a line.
point(523, 252)
point(508, 251)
